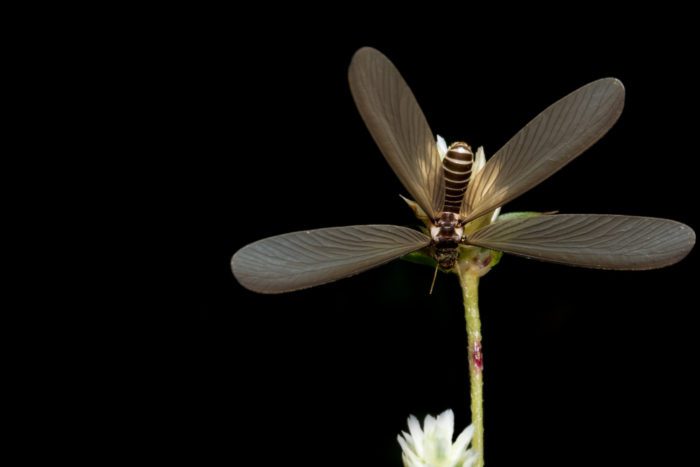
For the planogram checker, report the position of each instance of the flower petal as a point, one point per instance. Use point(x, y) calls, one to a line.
point(494, 215)
point(409, 440)
point(407, 451)
point(417, 434)
point(410, 463)
point(441, 146)
point(445, 425)
point(464, 438)
point(429, 425)
point(471, 459)
point(479, 161)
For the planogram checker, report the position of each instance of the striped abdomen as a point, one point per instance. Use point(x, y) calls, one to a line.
point(457, 167)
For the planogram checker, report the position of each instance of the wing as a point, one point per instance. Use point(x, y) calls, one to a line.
point(398, 126)
point(546, 144)
point(304, 259)
point(591, 240)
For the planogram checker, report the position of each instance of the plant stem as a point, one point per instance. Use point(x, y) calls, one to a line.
point(469, 280)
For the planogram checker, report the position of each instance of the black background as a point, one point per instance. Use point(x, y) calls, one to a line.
point(581, 367)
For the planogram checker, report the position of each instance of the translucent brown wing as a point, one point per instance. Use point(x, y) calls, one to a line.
point(591, 240)
point(546, 144)
point(398, 126)
point(304, 259)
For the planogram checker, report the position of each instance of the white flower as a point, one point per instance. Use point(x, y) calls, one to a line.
point(432, 446)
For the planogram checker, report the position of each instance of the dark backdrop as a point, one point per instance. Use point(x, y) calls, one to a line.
point(581, 367)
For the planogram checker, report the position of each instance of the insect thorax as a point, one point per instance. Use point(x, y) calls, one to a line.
point(446, 233)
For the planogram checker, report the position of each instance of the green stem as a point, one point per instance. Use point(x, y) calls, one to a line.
point(469, 279)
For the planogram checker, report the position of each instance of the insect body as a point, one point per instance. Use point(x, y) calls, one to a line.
point(447, 229)
point(458, 188)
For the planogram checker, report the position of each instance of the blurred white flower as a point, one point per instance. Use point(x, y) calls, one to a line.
point(432, 446)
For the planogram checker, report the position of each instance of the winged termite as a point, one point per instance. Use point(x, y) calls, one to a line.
point(454, 189)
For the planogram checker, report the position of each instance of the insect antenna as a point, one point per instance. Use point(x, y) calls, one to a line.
point(434, 277)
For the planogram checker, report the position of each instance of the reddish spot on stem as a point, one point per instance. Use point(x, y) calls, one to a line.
point(478, 356)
